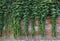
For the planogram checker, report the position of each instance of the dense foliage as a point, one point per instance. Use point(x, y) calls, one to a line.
point(13, 11)
point(1, 24)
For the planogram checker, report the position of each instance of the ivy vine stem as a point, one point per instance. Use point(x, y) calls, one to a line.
point(53, 27)
point(53, 18)
point(1, 23)
point(33, 26)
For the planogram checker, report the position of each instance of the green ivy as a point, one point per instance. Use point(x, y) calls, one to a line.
point(43, 15)
point(53, 17)
point(15, 10)
point(26, 22)
point(0, 25)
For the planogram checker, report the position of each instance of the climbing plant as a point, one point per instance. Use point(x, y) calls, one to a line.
point(43, 15)
point(1, 24)
point(16, 18)
point(53, 17)
point(13, 11)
